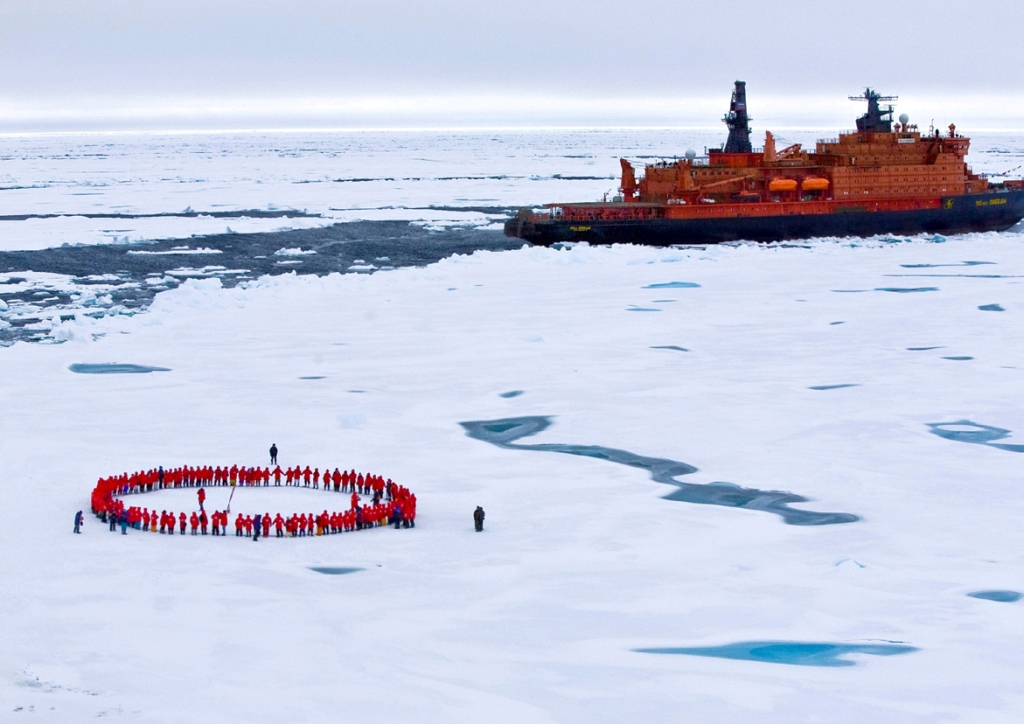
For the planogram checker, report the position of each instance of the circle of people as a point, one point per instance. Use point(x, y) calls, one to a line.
point(389, 503)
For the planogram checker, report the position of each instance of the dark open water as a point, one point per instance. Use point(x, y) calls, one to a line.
point(357, 247)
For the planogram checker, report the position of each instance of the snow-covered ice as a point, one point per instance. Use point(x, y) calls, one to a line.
point(294, 251)
point(775, 368)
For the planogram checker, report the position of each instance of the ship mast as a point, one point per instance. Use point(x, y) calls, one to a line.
point(738, 122)
point(877, 119)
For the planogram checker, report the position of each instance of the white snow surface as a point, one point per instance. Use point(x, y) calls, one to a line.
point(582, 560)
point(294, 251)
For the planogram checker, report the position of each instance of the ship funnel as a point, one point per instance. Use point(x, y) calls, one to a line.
point(738, 121)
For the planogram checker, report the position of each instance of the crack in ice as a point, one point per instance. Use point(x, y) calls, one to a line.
point(505, 432)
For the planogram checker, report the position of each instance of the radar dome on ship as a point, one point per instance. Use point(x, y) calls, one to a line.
point(690, 154)
point(904, 118)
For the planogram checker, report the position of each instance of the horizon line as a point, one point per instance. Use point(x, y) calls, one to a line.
point(503, 128)
point(488, 108)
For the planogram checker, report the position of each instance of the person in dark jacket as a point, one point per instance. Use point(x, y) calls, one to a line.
point(478, 518)
point(257, 525)
point(78, 522)
point(273, 453)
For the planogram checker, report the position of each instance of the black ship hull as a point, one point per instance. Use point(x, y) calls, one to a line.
point(957, 215)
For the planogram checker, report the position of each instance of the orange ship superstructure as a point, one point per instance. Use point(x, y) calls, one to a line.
point(885, 177)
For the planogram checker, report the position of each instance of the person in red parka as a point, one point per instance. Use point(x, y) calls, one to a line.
point(182, 519)
point(239, 524)
point(266, 525)
point(201, 494)
point(194, 522)
point(278, 524)
point(203, 521)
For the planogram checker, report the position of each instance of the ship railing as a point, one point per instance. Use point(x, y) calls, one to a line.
point(835, 139)
point(666, 163)
point(854, 132)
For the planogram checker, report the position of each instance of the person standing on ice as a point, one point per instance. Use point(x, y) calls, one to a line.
point(478, 518)
point(201, 494)
point(257, 525)
point(409, 512)
point(78, 522)
point(273, 453)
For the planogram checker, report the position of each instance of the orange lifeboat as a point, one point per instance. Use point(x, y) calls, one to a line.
point(782, 184)
point(814, 183)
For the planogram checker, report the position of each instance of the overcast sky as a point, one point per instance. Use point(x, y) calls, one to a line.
point(96, 62)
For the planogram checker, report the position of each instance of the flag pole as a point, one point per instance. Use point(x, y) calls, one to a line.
point(233, 489)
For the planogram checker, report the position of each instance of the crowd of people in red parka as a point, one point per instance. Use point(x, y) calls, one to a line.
point(389, 502)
